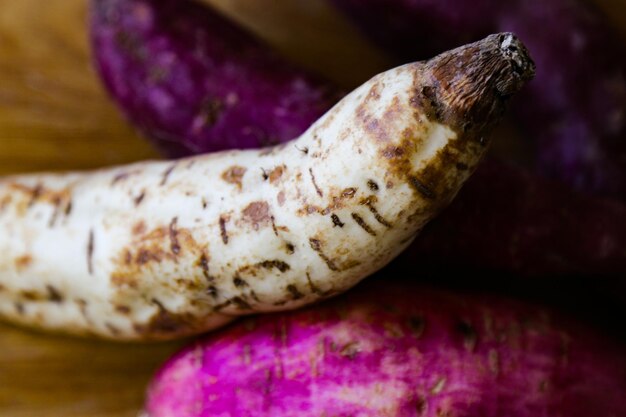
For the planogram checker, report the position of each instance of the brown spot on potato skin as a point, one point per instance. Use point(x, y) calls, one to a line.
point(122, 309)
point(257, 213)
point(166, 174)
point(314, 288)
point(173, 234)
point(54, 295)
point(123, 175)
point(275, 263)
point(316, 245)
point(241, 303)
point(159, 245)
point(336, 221)
point(34, 295)
point(280, 198)
point(212, 291)
point(234, 175)
point(290, 248)
point(372, 185)
point(37, 195)
point(36, 192)
point(359, 220)
point(294, 292)
point(139, 228)
point(223, 233)
point(276, 174)
point(348, 192)
point(137, 200)
point(369, 202)
point(203, 263)
point(423, 189)
point(4, 203)
point(82, 306)
point(317, 189)
point(268, 264)
point(68, 208)
point(23, 262)
point(304, 150)
point(239, 283)
point(90, 249)
point(166, 323)
point(337, 201)
point(124, 280)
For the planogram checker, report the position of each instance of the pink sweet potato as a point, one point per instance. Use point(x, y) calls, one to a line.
point(575, 110)
point(194, 82)
point(390, 350)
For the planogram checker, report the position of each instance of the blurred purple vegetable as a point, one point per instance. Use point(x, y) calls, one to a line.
point(508, 220)
point(397, 350)
point(193, 82)
point(575, 109)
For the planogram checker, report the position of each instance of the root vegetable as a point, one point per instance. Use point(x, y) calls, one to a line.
point(158, 250)
point(575, 110)
point(194, 82)
point(397, 350)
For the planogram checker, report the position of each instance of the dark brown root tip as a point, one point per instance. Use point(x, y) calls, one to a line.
point(467, 88)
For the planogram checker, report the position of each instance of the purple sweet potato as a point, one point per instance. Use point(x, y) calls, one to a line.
point(194, 82)
point(575, 110)
point(507, 219)
point(390, 350)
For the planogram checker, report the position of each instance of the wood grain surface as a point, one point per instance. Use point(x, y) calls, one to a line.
point(54, 115)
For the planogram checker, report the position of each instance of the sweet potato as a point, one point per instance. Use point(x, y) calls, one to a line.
point(498, 222)
point(158, 250)
point(194, 82)
point(506, 219)
point(574, 111)
point(397, 350)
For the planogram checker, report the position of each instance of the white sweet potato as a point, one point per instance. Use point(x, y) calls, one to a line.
point(158, 250)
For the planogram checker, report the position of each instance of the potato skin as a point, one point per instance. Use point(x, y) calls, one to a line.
point(194, 82)
point(574, 111)
point(159, 250)
point(398, 350)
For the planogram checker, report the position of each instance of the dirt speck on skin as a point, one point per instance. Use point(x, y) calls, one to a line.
point(223, 231)
point(234, 175)
point(276, 174)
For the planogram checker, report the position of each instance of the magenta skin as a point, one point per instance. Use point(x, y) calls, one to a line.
point(575, 108)
point(391, 350)
point(505, 219)
point(194, 82)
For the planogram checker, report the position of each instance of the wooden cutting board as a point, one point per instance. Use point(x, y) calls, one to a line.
point(54, 115)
